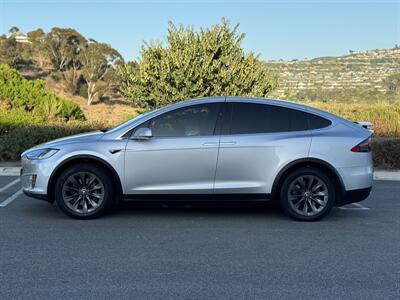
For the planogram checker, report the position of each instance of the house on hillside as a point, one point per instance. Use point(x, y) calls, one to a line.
point(19, 37)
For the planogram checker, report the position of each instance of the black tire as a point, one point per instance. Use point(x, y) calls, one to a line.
point(101, 177)
point(292, 188)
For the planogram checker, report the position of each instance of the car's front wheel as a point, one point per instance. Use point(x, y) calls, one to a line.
point(307, 194)
point(84, 191)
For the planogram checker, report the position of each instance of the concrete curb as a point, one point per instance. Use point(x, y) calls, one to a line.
point(378, 175)
point(387, 175)
point(10, 171)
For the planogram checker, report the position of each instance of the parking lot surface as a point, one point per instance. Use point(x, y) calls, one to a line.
point(199, 252)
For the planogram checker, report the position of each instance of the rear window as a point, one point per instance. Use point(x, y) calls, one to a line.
point(317, 122)
point(250, 118)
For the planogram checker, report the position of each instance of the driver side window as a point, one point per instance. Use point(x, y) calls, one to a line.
point(195, 120)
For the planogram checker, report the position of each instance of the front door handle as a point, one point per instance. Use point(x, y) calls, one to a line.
point(228, 143)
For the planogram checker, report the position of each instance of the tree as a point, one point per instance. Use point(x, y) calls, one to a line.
point(12, 53)
point(98, 61)
point(63, 45)
point(13, 30)
point(194, 64)
point(39, 50)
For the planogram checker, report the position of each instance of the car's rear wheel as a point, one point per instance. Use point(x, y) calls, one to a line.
point(84, 191)
point(307, 194)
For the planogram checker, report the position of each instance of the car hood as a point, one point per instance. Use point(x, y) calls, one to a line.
point(83, 137)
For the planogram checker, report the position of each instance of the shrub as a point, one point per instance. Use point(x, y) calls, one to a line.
point(57, 75)
point(386, 153)
point(30, 95)
point(83, 90)
point(15, 118)
point(210, 62)
point(20, 138)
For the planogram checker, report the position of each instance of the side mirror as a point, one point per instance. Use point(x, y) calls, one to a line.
point(143, 133)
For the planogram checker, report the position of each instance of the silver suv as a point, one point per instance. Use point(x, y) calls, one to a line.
point(226, 148)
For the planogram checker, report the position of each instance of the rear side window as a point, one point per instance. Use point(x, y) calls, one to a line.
point(249, 118)
point(317, 122)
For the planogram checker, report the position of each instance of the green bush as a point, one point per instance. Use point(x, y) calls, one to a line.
point(20, 138)
point(57, 75)
point(210, 62)
point(386, 153)
point(31, 96)
point(83, 90)
point(15, 118)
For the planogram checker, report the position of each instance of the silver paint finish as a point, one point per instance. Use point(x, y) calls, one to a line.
point(247, 163)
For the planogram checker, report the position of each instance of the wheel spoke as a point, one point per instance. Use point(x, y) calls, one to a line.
point(71, 197)
point(91, 180)
point(297, 204)
point(76, 203)
point(84, 208)
point(82, 177)
point(302, 183)
point(314, 209)
point(71, 189)
point(74, 182)
point(310, 180)
point(91, 202)
point(316, 187)
point(96, 187)
point(305, 208)
point(95, 195)
point(320, 202)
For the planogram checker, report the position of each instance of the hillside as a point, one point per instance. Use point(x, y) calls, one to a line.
point(358, 70)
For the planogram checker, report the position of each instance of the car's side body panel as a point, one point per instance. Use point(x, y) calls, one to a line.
point(171, 165)
point(248, 163)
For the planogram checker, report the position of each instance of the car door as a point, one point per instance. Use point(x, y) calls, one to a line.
point(256, 141)
point(181, 155)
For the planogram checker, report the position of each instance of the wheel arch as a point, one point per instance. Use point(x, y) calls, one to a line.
point(308, 163)
point(79, 159)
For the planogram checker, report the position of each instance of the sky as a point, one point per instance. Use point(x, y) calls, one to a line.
point(274, 29)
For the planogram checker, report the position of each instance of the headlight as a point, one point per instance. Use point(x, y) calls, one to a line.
point(41, 153)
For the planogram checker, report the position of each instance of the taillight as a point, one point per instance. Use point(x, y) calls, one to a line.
point(364, 146)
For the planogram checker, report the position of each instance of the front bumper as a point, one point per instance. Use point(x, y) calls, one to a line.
point(36, 196)
point(42, 170)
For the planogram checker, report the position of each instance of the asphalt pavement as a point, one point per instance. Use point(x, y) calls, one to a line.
point(200, 252)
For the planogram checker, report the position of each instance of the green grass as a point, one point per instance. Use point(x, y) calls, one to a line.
point(384, 115)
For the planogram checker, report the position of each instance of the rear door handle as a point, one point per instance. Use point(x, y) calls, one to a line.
point(228, 143)
point(210, 144)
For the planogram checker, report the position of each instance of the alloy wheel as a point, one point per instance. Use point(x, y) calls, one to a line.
point(308, 195)
point(83, 192)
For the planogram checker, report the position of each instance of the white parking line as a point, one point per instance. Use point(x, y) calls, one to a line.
point(11, 198)
point(361, 206)
point(9, 185)
point(356, 206)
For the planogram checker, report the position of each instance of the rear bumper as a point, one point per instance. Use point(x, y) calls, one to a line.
point(354, 196)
